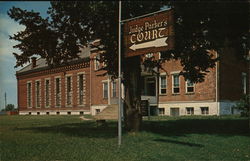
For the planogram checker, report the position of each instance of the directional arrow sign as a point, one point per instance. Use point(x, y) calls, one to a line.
point(149, 33)
point(155, 43)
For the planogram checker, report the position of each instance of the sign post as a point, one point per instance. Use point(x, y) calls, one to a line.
point(119, 80)
point(149, 33)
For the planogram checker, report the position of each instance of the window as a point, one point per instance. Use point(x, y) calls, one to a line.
point(175, 111)
point(97, 62)
point(58, 91)
point(81, 89)
point(244, 83)
point(189, 86)
point(38, 96)
point(29, 94)
point(69, 90)
point(176, 83)
point(149, 55)
point(97, 111)
point(47, 92)
point(114, 93)
point(161, 111)
point(163, 85)
point(204, 111)
point(105, 90)
point(189, 110)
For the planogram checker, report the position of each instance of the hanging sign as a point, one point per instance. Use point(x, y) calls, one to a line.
point(149, 34)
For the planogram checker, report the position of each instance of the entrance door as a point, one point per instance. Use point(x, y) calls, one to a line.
point(174, 111)
point(150, 86)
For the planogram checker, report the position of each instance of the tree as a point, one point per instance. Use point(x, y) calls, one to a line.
point(199, 27)
point(10, 107)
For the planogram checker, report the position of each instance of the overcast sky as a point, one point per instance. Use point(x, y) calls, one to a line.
point(8, 27)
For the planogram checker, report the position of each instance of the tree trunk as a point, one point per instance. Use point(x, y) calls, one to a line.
point(132, 77)
point(249, 93)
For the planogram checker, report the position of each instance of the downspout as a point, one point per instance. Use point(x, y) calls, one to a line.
point(157, 91)
point(18, 99)
point(90, 84)
point(109, 93)
point(217, 85)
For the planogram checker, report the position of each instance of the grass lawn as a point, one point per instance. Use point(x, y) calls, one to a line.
point(67, 138)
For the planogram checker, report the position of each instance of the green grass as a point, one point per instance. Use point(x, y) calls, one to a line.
point(67, 138)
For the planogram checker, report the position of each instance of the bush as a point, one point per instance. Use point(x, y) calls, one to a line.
point(10, 107)
point(243, 105)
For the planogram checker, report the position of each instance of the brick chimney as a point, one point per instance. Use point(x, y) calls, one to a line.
point(33, 60)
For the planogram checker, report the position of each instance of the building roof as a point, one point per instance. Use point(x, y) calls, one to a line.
point(41, 62)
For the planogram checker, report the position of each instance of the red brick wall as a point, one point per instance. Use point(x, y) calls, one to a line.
point(203, 91)
point(97, 84)
point(22, 90)
point(230, 77)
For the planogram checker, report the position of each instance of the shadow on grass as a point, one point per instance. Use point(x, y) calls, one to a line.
point(84, 129)
point(172, 128)
point(179, 142)
point(185, 126)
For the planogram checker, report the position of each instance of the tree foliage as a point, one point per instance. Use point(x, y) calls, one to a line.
point(10, 107)
point(70, 25)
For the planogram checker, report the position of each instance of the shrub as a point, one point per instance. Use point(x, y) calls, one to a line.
point(10, 107)
point(243, 105)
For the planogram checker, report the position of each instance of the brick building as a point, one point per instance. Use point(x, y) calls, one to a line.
point(76, 88)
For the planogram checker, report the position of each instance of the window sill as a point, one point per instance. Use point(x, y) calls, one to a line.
point(162, 94)
point(175, 94)
point(191, 93)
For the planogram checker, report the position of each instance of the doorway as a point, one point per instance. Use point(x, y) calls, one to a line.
point(150, 86)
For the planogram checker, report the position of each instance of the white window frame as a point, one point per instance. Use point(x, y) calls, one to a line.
point(29, 102)
point(68, 95)
point(112, 89)
point(173, 74)
point(83, 90)
point(186, 84)
point(38, 98)
point(103, 91)
point(244, 82)
point(206, 113)
point(191, 110)
point(45, 93)
point(159, 54)
point(60, 91)
point(160, 85)
point(161, 114)
point(97, 63)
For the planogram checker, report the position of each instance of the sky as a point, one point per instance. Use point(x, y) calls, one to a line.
point(8, 82)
